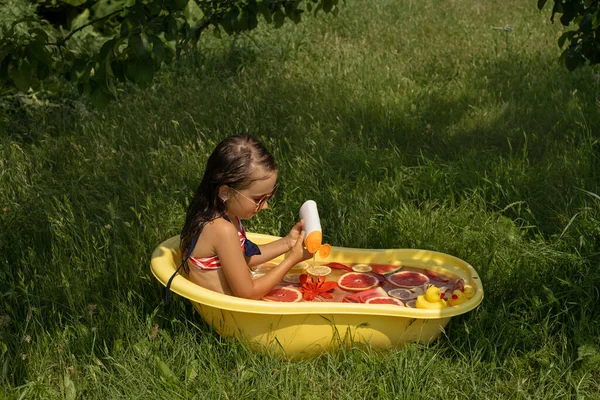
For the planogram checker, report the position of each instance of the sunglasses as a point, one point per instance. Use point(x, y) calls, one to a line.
point(264, 199)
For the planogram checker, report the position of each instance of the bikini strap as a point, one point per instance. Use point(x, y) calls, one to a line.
point(187, 256)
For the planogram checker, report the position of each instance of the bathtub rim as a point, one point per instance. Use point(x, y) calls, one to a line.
point(163, 267)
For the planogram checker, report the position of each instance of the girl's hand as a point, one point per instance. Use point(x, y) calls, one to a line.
point(294, 234)
point(298, 252)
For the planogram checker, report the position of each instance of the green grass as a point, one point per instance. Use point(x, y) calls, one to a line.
point(412, 124)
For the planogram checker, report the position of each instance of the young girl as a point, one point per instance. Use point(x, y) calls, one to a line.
point(239, 180)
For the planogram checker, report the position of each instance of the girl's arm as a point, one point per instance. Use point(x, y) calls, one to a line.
point(239, 278)
point(276, 248)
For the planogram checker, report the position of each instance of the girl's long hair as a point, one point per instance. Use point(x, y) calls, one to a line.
point(231, 163)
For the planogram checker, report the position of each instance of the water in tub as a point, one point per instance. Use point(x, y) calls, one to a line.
point(363, 283)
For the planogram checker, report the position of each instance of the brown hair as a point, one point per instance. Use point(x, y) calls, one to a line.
point(231, 163)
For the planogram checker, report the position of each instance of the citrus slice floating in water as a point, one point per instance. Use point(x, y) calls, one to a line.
point(407, 279)
point(319, 270)
point(284, 294)
point(385, 300)
point(361, 268)
point(403, 294)
point(385, 269)
point(411, 303)
point(418, 290)
point(357, 281)
point(292, 278)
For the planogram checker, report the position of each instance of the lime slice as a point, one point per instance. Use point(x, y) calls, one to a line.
point(292, 278)
point(319, 270)
point(362, 268)
point(402, 294)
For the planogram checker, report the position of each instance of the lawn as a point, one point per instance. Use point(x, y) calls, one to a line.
point(442, 125)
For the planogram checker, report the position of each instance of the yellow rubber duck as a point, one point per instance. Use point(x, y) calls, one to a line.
point(469, 292)
point(432, 299)
point(457, 298)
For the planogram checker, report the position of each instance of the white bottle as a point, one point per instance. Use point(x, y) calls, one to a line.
point(312, 226)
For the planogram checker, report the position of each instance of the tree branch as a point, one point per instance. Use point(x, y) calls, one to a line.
point(74, 31)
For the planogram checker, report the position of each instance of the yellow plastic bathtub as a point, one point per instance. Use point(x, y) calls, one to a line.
point(306, 329)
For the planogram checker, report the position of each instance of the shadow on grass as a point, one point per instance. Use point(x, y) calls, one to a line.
point(527, 128)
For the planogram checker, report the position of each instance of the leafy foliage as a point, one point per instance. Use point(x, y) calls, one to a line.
point(584, 41)
point(110, 42)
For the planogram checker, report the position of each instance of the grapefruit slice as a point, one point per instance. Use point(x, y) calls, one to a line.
point(384, 300)
point(361, 297)
point(407, 279)
point(385, 269)
point(284, 294)
point(357, 281)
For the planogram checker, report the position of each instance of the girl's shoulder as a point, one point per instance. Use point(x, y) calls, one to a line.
point(220, 227)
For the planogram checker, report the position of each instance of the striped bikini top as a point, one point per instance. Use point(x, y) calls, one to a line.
point(212, 263)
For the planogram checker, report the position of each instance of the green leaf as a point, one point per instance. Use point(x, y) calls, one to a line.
point(39, 35)
point(36, 51)
point(165, 371)
point(327, 5)
point(154, 7)
point(296, 16)
point(126, 27)
point(278, 18)
point(567, 35)
point(118, 71)
point(136, 45)
point(107, 48)
point(572, 59)
point(74, 3)
point(158, 48)
point(169, 54)
point(140, 70)
point(22, 76)
point(267, 13)
point(70, 391)
point(4, 68)
point(585, 25)
point(179, 4)
point(43, 71)
point(80, 71)
point(136, 14)
point(171, 28)
point(80, 20)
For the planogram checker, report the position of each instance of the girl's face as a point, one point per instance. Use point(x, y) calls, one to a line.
point(248, 202)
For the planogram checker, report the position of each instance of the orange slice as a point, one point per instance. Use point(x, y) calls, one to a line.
point(324, 250)
point(313, 241)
